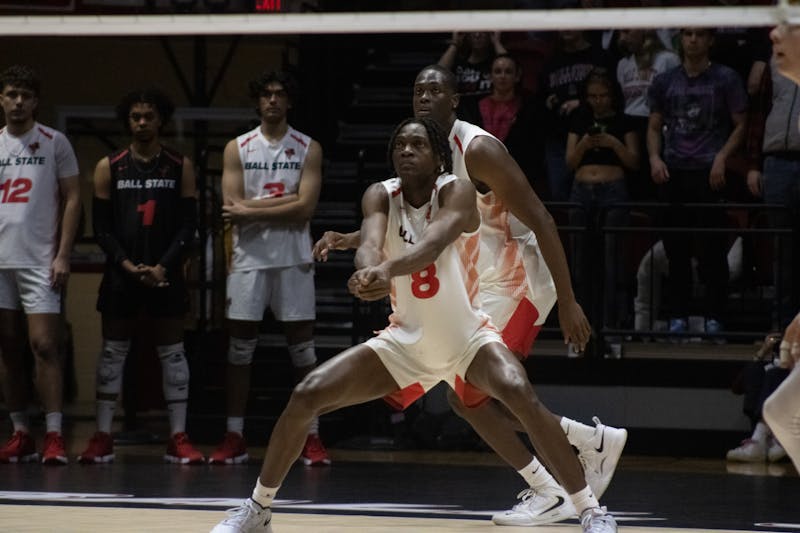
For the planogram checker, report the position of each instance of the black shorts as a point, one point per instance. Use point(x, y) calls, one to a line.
point(121, 296)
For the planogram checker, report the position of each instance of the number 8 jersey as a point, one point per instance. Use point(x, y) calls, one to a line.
point(30, 167)
point(435, 311)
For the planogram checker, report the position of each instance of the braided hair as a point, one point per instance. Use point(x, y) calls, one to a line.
point(436, 136)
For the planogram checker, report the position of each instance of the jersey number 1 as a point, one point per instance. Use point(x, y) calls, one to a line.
point(148, 211)
point(425, 284)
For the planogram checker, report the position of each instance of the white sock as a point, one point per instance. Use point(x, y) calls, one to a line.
point(105, 414)
point(313, 429)
point(536, 475)
point(20, 421)
point(53, 422)
point(177, 416)
point(235, 424)
point(262, 495)
point(761, 432)
point(583, 500)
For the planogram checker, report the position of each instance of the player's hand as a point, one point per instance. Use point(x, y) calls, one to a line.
point(151, 276)
point(574, 324)
point(370, 283)
point(59, 272)
point(790, 345)
point(235, 212)
point(331, 240)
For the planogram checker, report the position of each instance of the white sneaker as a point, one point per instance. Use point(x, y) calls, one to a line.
point(600, 454)
point(597, 520)
point(775, 451)
point(538, 507)
point(749, 451)
point(249, 517)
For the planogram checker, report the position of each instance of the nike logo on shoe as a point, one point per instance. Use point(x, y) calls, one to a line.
point(559, 503)
point(602, 440)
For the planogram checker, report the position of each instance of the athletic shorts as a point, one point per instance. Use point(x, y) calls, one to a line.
point(122, 297)
point(30, 290)
point(415, 379)
point(288, 292)
point(521, 319)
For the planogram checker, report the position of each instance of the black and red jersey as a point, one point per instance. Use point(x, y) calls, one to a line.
point(146, 203)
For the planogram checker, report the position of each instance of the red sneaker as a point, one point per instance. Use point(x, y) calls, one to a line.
point(232, 451)
point(180, 450)
point(100, 449)
point(314, 452)
point(54, 452)
point(20, 448)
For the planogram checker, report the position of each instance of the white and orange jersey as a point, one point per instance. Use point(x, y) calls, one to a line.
point(511, 266)
point(437, 310)
point(30, 167)
point(271, 169)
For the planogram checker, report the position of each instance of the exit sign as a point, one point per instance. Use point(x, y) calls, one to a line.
point(268, 5)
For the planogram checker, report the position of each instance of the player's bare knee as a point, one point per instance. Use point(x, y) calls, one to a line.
point(45, 349)
point(514, 390)
point(309, 395)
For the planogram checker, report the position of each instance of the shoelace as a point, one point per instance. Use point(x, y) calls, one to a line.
point(526, 495)
point(237, 512)
point(596, 515)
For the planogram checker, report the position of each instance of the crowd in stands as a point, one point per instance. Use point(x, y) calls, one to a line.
point(615, 123)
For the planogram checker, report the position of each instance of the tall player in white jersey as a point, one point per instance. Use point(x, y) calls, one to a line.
point(517, 291)
point(271, 180)
point(782, 408)
point(39, 213)
point(420, 246)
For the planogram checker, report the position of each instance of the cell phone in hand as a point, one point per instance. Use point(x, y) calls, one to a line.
point(595, 129)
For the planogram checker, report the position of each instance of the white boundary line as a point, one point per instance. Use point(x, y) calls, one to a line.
point(393, 22)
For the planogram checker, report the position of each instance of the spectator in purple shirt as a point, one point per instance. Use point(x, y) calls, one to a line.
point(696, 121)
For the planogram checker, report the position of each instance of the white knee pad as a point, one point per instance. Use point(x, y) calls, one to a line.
point(174, 372)
point(240, 351)
point(110, 366)
point(303, 354)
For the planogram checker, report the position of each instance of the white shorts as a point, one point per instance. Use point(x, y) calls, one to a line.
point(288, 292)
point(30, 290)
point(415, 378)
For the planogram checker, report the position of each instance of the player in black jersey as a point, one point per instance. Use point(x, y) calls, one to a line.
point(144, 216)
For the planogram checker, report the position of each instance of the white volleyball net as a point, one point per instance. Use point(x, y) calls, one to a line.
point(784, 11)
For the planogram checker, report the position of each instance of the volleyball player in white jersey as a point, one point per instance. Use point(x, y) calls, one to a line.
point(782, 408)
point(39, 212)
point(420, 245)
point(517, 291)
point(271, 180)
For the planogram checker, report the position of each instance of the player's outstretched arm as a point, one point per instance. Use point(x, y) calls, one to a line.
point(375, 209)
point(333, 240)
